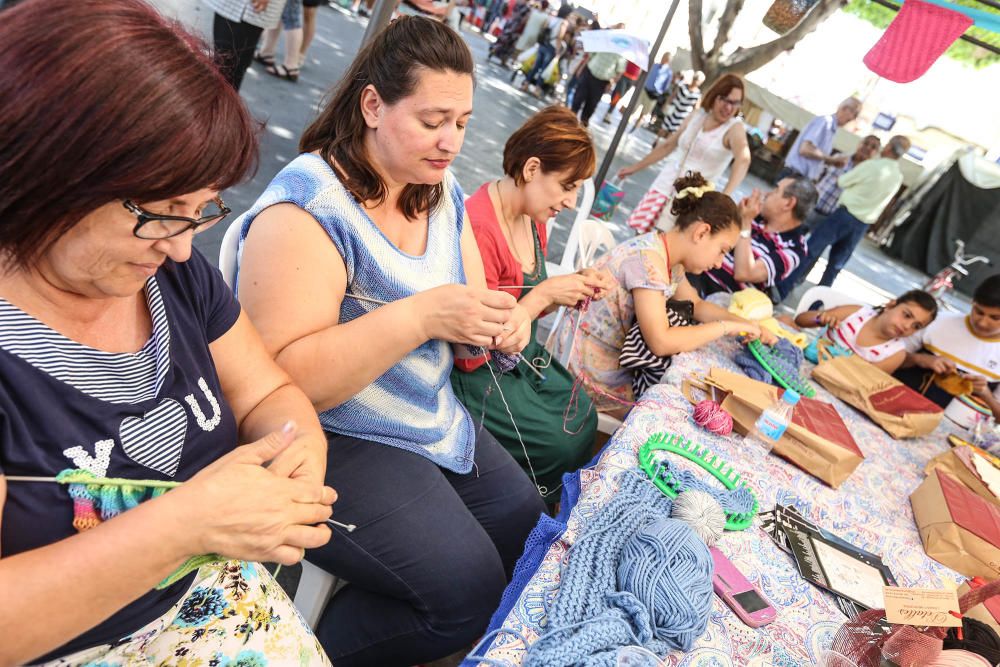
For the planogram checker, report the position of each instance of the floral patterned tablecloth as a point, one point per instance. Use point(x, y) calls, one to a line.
point(871, 510)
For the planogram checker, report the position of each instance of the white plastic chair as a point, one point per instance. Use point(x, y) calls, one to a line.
point(315, 585)
point(607, 424)
point(592, 238)
point(595, 240)
point(313, 592)
point(228, 253)
point(568, 262)
point(830, 297)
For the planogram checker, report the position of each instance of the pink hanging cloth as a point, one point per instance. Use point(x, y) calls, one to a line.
point(919, 34)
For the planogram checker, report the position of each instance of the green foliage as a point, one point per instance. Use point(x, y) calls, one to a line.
point(962, 51)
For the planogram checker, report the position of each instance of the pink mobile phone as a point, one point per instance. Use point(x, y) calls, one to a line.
point(743, 598)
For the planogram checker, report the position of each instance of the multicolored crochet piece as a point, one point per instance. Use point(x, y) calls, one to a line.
point(97, 499)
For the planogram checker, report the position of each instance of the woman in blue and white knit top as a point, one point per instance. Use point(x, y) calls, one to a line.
point(370, 211)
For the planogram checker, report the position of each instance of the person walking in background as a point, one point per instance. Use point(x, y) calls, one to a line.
point(596, 78)
point(625, 83)
point(291, 23)
point(494, 10)
point(310, 8)
point(537, 19)
point(707, 142)
point(363, 10)
point(657, 84)
point(682, 101)
point(236, 29)
point(828, 188)
point(867, 190)
point(550, 41)
point(571, 45)
point(814, 145)
point(504, 47)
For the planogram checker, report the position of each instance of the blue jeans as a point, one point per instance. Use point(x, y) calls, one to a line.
point(546, 52)
point(432, 553)
point(841, 233)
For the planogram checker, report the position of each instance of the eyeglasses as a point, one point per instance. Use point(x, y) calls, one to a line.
point(155, 226)
point(732, 103)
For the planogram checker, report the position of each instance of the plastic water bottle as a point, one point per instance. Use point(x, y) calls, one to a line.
point(774, 420)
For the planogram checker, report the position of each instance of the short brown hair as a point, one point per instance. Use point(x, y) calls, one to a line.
point(722, 86)
point(110, 101)
point(555, 136)
point(391, 62)
point(716, 209)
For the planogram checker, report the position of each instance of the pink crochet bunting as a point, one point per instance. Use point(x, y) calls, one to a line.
point(917, 37)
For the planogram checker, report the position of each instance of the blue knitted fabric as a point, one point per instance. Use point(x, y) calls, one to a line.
point(411, 405)
point(669, 601)
point(785, 349)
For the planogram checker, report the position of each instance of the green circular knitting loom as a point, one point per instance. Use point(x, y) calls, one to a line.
point(780, 369)
point(667, 482)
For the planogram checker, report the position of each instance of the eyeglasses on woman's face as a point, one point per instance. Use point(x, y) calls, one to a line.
point(154, 226)
point(730, 102)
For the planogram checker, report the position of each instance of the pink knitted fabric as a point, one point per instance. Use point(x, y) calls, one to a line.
point(917, 37)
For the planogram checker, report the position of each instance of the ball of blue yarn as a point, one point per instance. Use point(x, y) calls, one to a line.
point(669, 570)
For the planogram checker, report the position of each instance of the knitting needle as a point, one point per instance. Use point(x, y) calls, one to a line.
point(520, 359)
point(149, 483)
point(349, 527)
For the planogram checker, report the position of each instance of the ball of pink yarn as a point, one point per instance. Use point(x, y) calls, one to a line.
point(709, 415)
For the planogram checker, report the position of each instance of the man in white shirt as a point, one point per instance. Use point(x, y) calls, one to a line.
point(966, 344)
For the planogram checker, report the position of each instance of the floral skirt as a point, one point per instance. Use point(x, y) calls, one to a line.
point(234, 615)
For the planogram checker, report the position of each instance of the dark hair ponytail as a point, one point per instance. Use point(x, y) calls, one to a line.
point(715, 209)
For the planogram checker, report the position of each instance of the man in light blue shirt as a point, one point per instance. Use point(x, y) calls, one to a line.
point(812, 148)
point(657, 84)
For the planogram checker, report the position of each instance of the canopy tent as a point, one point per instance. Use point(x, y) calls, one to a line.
point(962, 203)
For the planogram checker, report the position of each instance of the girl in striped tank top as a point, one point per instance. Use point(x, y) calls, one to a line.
point(875, 334)
point(359, 267)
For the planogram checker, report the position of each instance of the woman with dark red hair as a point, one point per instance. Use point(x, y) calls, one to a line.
point(125, 360)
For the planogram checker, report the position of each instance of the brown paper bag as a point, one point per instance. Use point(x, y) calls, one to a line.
point(958, 528)
point(816, 441)
point(902, 412)
point(952, 463)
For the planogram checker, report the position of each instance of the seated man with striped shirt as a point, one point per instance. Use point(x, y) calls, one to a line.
point(771, 243)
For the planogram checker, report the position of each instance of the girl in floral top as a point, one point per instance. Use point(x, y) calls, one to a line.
point(647, 271)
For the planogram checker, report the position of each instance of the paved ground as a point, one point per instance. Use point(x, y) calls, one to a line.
point(287, 108)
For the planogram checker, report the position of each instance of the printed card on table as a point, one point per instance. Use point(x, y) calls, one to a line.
point(921, 607)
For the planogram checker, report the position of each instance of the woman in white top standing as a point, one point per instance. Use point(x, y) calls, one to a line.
point(707, 141)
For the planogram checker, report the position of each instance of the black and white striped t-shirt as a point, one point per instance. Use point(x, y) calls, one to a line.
point(158, 413)
point(684, 102)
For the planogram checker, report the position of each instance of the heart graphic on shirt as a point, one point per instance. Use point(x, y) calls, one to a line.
point(156, 439)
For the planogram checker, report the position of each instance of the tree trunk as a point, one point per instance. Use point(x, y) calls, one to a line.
point(743, 61)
